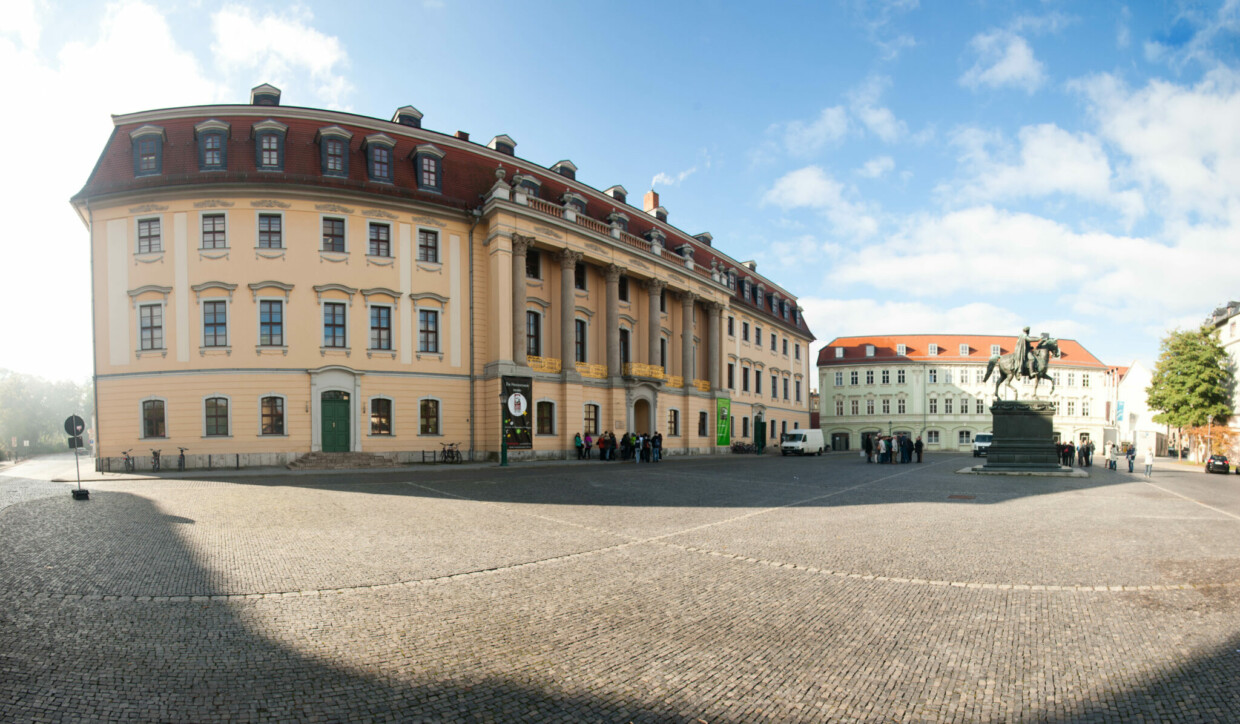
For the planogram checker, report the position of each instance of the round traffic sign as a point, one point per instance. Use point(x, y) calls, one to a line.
point(74, 425)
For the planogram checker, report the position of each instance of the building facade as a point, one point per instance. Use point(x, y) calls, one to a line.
point(270, 281)
point(932, 386)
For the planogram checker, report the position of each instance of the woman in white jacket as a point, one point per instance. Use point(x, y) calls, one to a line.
point(1149, 461)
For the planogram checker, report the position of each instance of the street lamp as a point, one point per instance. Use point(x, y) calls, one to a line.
point(503, 435)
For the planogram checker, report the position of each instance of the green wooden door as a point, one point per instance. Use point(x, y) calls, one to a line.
point(335, 424)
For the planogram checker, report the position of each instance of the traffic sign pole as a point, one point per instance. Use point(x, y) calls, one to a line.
point(74, 425)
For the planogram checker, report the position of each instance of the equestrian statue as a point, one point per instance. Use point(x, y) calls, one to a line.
point(1030, 361)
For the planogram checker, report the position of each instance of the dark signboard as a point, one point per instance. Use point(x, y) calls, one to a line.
point(516, 413)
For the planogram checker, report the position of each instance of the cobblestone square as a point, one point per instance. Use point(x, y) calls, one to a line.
point(718, 589)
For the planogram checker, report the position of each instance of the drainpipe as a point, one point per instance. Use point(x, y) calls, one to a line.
point(475, 216)
point(94, 336)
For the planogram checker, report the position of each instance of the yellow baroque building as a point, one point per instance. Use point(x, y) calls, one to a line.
point(272, 281)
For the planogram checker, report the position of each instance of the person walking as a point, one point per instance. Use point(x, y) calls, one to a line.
point(1149, 461)
point(867, 444)
point(656, 447)
point(577, 442)
point(1132, 457)
point(918, 447)
point(589, 446)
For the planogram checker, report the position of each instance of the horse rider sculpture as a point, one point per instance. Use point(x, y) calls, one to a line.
point(1026, 362)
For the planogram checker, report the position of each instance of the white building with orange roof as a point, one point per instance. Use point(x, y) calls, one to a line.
point(931, 385)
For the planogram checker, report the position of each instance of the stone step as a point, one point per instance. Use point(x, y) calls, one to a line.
point(342, 461)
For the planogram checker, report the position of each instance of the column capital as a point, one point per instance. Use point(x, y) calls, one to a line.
point(714, 308)
point(654, 286)
point(569, 258)
point(521, 244)
point(614, 272)
point(685, 296)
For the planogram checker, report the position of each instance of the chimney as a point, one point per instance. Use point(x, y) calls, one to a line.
point(651, 201)
point(265, 95)
point(463, 135)
point(408, 116)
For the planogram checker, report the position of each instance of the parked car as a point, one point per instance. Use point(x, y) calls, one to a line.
point(1218, 464)
point(981, 442)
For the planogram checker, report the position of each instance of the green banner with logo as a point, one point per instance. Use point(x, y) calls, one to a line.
point(723, 422)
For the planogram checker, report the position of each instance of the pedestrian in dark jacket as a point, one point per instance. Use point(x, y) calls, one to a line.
point(917, 448)
point(867, 444)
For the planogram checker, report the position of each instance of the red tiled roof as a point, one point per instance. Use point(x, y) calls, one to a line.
point(467, 174)
point(917, 349)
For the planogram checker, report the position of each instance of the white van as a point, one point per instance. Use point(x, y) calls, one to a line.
point(981, 441)
point(802, 442)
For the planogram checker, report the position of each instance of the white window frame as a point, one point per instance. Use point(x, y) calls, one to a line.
point(142, 416)
point(932, 437)
point(854, 378)
point(900, 377)
point(163, 325)
point(202, 416)
point(392, 326)
point(900, 405)
point(391, 240)
point(869, 406)
point(839, 378)
point(869, 350)
point(869, 376)
point(258, 215)
point(839, 407)
point(964, 437)
point(258, 322)
point(227, 229)
point(338, 217)
point(348, 331)
point(258, 413)
point(932, 376)
point(439, 419)
point(202, 322)
point(370, 401)
point(439, 313)
point(137, 220)
point(417, 246)
point(902, 349)
point(932, 349)
point(994, 350)
point(964, 350)
point(839, 352)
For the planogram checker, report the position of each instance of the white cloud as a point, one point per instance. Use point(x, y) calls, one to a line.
point(1003, 59)
point(281, 49)
point(876, 167)
point(1123, 33)
point(864, 104)
point(801, 138)
point(812, 187)
point(1180, 143)
point(20, 21)
point(1212, 42)
point(1050, 160)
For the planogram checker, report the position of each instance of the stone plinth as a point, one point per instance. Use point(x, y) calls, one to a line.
point(1024, 437)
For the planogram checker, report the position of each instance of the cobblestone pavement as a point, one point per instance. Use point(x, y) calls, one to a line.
point(730, 589)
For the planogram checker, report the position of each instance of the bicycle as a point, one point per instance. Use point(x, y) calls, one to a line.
point(450, 452)
point(743, 448)
point(181, 459)
point(128, 460)
point(154, 460)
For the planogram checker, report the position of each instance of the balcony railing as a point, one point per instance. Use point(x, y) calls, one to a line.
point(702, 385)
point(637, 369)
point(543, 364)
point(675, 381)
point(589, 369)
point(594, 225)
point(546, 207)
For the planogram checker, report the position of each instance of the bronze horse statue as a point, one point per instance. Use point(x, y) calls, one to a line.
point(1038, 360)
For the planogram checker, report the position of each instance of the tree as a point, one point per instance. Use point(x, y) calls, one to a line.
point(34, 409)
point(1192, 381)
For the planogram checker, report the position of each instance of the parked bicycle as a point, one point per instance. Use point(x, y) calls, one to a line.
point(154, 460)
point(743, 448)
point(181, 459)
point(128, 460)
point(450, 452)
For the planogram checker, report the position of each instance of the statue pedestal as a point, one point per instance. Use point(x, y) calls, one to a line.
point(1024, 437)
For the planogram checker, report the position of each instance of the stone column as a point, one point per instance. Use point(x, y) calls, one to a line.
point(568, 305)
point(687, 369)
point(714, 355)
point(654, 288)
point(612, 321)
point(520, 246)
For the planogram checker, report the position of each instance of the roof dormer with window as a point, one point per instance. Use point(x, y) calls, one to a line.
point(428, 167)
point(378, 148)
point(269, 138)
point(148, 150)
point(334, 150)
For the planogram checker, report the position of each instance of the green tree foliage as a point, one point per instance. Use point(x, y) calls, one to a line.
point(34, 409)
point(1192, 380)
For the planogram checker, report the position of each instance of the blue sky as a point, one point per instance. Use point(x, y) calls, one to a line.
point(901, 166)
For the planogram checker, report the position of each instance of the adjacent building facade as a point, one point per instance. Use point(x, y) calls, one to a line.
point(930, 385)
point(270, 281)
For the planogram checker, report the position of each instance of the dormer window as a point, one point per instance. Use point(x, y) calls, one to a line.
point(964, 350)
point(619, 219)
point(618, 193)
point(566, 168)
point(576, 201)
point(334, 150)
point(994, 349)
point(378, 149)
point(269, 145)
point(869, 350)
point(504, 144)
point(932, 349)
point(901, 350)
point(212, 138)
point(527, 185)
point(839, 353)
point(408, 116)
point(428, 167)
point(148, 150)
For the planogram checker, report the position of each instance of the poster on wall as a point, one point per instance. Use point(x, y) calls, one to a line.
point(723, 426)
point(515, 412)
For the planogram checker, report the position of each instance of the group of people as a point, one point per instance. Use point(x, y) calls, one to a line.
point(891, 448)
point(639, 448)
point(1083, 454)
